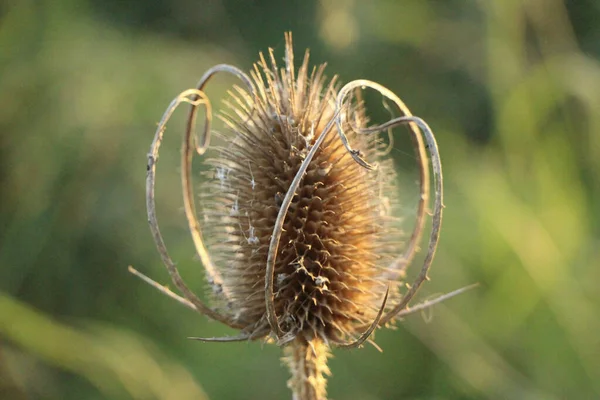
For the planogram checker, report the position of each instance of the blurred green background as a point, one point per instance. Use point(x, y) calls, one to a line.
point(511, 88)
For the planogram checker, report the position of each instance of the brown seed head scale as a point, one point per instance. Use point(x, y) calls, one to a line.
point(302, 242)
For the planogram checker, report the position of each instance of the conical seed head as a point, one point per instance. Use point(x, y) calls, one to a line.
point(338, 235)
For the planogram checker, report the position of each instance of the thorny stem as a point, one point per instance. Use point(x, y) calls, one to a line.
point(307, 362)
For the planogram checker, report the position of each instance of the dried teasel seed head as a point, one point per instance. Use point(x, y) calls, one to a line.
point(338, 235)
point(302, 244)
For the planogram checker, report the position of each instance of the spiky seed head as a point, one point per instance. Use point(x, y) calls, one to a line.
point(338, 235)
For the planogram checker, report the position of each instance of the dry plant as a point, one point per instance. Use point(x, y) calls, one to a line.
point(301, 230)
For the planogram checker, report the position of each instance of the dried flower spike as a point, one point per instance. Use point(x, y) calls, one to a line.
point(303, 243)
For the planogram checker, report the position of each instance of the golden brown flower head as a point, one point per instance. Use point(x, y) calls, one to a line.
point(338, 235)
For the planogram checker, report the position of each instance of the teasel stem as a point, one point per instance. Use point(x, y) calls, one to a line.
point(307, 361)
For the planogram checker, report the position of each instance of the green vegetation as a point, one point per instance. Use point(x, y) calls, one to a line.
point(511, 89)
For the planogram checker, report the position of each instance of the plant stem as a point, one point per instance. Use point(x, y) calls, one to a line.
point(307, 361)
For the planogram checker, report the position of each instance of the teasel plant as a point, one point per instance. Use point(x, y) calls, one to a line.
point(298, 211)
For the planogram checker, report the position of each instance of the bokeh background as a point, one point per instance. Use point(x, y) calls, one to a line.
point(511, 88)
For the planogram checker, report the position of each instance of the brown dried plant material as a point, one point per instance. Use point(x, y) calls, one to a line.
point(303, 242)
